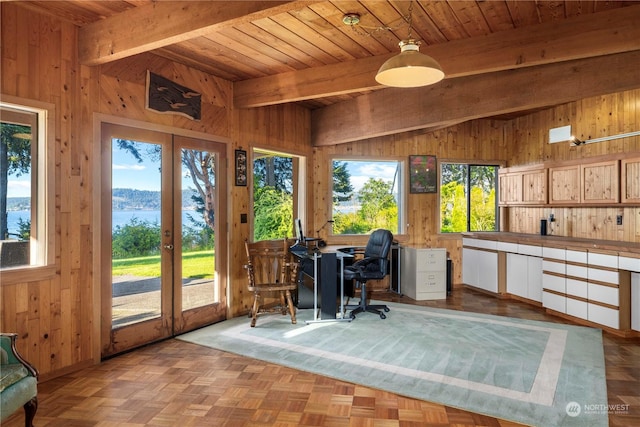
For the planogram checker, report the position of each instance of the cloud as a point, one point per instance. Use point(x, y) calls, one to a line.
point(361, 171)
point(17, 188)
point(129, 167)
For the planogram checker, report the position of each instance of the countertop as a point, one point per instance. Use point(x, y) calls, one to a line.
point(623, 248)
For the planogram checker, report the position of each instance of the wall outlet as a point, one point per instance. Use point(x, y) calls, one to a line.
point(552, 217)
point(619, 220)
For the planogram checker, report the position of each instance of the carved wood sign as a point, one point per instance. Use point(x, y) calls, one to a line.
point(165, 96)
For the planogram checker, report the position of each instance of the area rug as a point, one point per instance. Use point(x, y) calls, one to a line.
point(531, 372)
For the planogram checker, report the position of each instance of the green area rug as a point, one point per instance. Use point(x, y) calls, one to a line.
point(536, 373)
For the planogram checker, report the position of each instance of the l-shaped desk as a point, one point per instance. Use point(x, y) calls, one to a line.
point(325, 269)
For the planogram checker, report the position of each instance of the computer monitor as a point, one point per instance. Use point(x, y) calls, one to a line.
point(300, 234)
point(299, 231)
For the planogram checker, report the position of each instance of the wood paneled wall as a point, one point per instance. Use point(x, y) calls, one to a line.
point(481, 141)
point(55, 314)
point(284, 128)
point(50, 312)
point(589, 118)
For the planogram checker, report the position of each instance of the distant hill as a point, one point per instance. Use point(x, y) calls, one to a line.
point(124, 199)
point(18, 203)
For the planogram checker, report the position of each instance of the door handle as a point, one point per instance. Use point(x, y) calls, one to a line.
point(168, 247)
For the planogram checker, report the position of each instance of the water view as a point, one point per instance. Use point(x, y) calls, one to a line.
point(120, 218)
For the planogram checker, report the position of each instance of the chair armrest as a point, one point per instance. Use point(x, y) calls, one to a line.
point(8, 344)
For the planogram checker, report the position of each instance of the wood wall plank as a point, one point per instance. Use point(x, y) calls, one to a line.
point(56, 315)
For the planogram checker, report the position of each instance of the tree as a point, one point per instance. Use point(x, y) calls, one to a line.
point(274, 171)
point(342, 188)
point(273, 211)
point(15, 159)
point(378, 209)
point(137, 238)
point(202, 170)
point(375, 197)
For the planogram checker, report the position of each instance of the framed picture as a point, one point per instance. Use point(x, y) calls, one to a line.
point(423, 174)
point(241, 168)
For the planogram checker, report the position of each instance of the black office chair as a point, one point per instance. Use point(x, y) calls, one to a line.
point(372, 267)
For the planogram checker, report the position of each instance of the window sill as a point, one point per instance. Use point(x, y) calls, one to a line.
point(11, 276)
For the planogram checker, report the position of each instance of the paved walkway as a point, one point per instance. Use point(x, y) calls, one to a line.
point(138, 298)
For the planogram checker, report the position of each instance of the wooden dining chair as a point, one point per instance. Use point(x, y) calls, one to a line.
point(271, 271)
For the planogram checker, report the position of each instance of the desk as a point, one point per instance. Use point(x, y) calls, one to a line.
point(325, 274)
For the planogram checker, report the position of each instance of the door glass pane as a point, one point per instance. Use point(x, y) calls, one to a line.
point(198, 228)
point(136, 236)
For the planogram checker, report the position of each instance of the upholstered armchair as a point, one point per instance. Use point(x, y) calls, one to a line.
point(18, 382)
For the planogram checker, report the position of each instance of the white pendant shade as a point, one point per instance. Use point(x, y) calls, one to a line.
point(410, 68)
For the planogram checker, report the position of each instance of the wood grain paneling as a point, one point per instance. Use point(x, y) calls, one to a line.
point(54, 311)
point(630, 180)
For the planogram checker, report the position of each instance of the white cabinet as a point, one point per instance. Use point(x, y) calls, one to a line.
point(635, 301)
point(524, 276)
point(517, 279)
point(554, 281)
point(424, 273)
point(480, 264)
point(599, 286)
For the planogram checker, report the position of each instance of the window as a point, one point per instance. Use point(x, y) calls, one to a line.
point(367, 194)
point(23, 197)
point(468, 197)
point(278, 190)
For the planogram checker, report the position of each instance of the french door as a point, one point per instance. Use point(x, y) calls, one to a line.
point(163, 252)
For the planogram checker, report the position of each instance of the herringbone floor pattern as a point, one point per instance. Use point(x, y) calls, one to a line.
point(179, 384)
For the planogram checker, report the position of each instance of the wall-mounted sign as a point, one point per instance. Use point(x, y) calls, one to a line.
point(165, 96)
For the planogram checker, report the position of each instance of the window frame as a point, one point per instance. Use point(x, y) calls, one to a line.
point(468, 164)
point(43, 193)
point(403, 190)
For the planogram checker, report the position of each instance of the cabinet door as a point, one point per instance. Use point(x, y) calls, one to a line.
point(510, 185)
point(635, 301)
point(517, 277)
point(564, 184)
point(534, 273)
point(488, 271)
point(600, 182)
point(534, 187)
point(630, 185)
point(470, 266)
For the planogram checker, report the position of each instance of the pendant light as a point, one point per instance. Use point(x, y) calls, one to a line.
point(410, 68)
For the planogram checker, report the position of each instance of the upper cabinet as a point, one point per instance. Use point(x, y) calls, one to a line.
point(564, 184)
point(630, 180)
point(599, 182)
point(523, 186)
point(595, 183)
point(602, 181)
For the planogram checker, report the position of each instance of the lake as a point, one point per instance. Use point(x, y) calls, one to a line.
point(120, 218)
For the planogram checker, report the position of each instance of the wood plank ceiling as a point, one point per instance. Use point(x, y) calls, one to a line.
point(302, 51)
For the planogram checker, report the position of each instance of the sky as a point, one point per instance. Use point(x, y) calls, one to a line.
point(128, 173)
point(361, 171)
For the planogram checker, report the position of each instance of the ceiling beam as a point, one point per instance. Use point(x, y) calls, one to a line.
point(584, 36)
point(466, 98)
point(160, 24)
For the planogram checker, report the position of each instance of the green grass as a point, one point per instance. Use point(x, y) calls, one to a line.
point(194, 265)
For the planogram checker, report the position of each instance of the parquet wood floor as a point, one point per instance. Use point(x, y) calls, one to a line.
point(178, 384)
